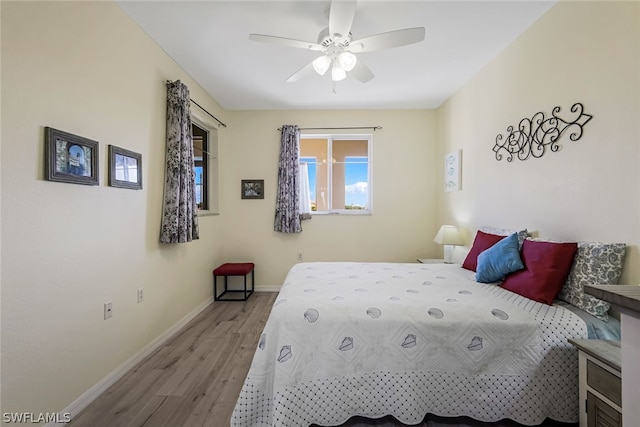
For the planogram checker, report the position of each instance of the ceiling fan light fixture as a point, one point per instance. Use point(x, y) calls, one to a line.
point(337, 47)
point(321, 64)
point(338, 73)
point(347, 60)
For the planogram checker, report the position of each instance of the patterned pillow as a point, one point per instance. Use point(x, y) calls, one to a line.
point(595, 264)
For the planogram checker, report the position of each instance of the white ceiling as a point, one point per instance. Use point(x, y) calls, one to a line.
point(210, 41)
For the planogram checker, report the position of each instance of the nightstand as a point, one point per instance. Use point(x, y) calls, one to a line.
point(431, 260)
point(600, 382)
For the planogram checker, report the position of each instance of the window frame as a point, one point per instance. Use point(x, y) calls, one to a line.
point(211, 174)
point(344, 137)
point(202, 161)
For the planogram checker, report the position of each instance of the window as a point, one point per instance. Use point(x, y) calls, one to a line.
point(205, 167)
point(201, 162)
point(339, 168)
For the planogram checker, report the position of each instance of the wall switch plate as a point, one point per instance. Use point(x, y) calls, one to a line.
point(140, 295)
point(108, 310)
point(299, 256)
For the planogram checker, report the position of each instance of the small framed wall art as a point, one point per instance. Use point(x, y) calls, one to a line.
point(125, 168)
point(252, 189)
point(452, 171)
point(70, 158)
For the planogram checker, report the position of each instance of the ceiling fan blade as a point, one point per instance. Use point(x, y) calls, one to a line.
point(341, 16)
point(302, 72)
point(286, 42)
point(361, 72)
point(388, 40)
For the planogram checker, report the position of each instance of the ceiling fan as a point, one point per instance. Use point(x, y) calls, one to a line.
point(338, 50)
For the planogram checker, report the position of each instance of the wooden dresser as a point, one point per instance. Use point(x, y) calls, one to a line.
point(600, 383)
point(626, 298)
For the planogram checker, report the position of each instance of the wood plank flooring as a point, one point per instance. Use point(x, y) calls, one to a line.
point(194, 379)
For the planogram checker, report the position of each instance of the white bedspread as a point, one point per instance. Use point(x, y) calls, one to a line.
point(375, 339)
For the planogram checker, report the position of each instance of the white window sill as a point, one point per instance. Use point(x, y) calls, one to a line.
point(343, 213)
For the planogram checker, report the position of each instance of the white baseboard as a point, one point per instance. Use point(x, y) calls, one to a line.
point(267, 289)
point(92, 394)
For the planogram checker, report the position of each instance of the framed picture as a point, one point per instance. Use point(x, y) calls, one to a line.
point(253, 189)
point(125, 168)
point(70, 158)
point(452, 171)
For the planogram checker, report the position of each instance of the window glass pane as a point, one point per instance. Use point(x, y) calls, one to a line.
point(350, 175)
point(312, 167)
point(199, 183)
point(201, 164)
point(322, 186)
point(356, 183)
point(338, 172)
point(314, 152)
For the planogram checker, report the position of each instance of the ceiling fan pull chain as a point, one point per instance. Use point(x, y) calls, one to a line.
point(334, 86)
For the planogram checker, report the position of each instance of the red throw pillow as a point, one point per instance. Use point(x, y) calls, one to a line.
point(483, 241)
point(546, 267)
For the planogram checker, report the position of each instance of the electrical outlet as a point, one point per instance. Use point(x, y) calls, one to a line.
point(108, 310)
point(299, 256)
point(140, 295)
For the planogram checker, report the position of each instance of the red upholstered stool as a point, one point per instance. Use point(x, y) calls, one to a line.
point(233, 269)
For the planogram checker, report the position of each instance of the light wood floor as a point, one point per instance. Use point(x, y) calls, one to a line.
point(194, 379)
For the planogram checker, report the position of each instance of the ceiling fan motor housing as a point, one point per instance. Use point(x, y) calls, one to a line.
point(325, 39)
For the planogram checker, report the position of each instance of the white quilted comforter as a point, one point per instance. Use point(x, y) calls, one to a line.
point(376, 339)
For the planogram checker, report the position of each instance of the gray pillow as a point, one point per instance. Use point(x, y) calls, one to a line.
point(522, 234)
point(594, 264)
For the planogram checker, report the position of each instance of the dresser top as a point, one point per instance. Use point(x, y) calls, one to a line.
point(624, 296)
point(605, 351)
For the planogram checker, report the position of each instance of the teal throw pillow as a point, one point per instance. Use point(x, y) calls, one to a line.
point(499, 260)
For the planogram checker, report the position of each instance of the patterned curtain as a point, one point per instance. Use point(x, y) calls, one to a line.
point(179, 212)
point(288, 218)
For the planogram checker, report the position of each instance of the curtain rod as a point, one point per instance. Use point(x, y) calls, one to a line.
point(375, 128)
point(214, 117)
point(203, 109)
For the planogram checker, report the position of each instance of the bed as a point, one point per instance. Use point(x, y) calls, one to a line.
point(373, 339)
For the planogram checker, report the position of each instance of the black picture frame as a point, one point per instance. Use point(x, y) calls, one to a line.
point(70, 158)
point(125, 168)
point(252, 189)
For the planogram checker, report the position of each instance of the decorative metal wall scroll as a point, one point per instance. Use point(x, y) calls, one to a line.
point(533, 136)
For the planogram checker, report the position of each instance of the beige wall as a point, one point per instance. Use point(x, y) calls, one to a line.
point(86, 68)
point(405, 171)
point(584, 52)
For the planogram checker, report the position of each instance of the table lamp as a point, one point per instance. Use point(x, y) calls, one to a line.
point(449, 236)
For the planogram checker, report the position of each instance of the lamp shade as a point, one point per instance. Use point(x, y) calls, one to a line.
point(347, 60)
point(337, 72)
point(321, 64)
point(449, 235)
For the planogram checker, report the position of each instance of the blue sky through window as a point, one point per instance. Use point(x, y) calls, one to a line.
point(356, 179)
point(198, 171)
